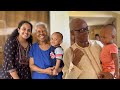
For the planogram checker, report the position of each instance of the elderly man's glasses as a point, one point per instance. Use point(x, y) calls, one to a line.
point(82, 30)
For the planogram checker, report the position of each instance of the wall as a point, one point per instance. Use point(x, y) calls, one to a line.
point(91, 13)
point(94, 30)
point(59, 21)
point(118, 29)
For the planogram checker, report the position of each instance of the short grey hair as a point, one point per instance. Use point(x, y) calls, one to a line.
point(41, 24)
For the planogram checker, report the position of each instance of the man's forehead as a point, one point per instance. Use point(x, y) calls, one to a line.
point(76, 24)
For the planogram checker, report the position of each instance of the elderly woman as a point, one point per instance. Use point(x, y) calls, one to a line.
point(40, 61)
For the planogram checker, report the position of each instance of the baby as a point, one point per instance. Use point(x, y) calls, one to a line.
point(56, 40)
point(109, 53)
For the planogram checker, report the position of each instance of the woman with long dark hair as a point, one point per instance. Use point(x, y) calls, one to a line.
point(16, 60)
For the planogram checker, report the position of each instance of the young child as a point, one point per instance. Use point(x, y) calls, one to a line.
point(109, 53)
point(97, 37)
point(56, 40)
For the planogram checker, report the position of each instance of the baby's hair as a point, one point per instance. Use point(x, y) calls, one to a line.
point(113, 28)
point(110, 25)
point(60, 34)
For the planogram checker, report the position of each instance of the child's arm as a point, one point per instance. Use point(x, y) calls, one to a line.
point(59, 56)
point(57, 64)
point(116, 61)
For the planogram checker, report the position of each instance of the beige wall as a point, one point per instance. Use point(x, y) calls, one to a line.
point(118, 30)
point(59, 21)
point(94, 30)
point(91, 13)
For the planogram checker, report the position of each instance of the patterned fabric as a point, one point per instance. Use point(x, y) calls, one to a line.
point(12, 60)
point(23, 54)
point(0, 72)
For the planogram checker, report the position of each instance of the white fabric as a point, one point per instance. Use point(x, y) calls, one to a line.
point(59, 53)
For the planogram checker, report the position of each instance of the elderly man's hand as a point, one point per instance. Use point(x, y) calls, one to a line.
point(77, 55)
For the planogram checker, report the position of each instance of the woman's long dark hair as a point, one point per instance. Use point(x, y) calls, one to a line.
point(15, 32)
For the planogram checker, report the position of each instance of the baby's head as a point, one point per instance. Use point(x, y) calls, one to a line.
point(56, 39)
point(107, 34)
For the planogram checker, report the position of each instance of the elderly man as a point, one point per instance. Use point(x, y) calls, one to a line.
point(81, 60)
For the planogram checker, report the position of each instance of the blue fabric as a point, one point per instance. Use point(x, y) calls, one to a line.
point(42, 59)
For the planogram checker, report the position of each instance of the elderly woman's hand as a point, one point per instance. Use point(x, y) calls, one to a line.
point(49, 70)
point(77, 55)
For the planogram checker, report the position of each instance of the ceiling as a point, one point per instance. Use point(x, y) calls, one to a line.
point(118, 12)
point(98, 20)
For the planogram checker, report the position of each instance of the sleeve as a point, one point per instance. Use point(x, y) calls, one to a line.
point(59, 53)
point(99, 44)
point(70, 71)
point(114, 49)
point(30, 54)
point(9, 54)
point(73, 72)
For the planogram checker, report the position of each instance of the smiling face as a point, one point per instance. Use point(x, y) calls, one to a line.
point(25, 31)
point(56, 39)
point(41, 33)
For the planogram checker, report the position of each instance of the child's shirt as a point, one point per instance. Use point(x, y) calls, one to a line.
point(58, 53)
point(106, 58)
